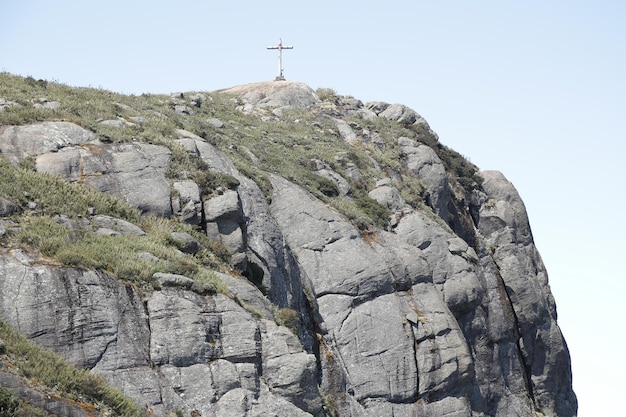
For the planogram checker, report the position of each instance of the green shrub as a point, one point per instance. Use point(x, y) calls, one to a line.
point(9, 402)
point(29, 163)
point(378, 213)
point(412, 191)
point(322, 185)
point(329, 399)
point(36, 83)
point(275, 145)
point(54, 196)
point(327, 94)
point(119, 255)
point(43, 234)
point(464, 171)
point(289, 318)
point(210, 181)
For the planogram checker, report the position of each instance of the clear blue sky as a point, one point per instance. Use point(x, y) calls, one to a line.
point(534, 89)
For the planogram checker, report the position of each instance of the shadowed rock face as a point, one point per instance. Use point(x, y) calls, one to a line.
point(420, 315)
point(417, 320)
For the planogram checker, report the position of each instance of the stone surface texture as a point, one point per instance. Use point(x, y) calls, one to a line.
point(436, 316)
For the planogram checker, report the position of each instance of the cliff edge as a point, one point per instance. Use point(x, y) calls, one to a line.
point(269, 249)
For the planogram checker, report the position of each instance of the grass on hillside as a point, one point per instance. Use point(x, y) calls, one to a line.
point(50, 373)
point(257, 146)
point(54, 196)
point(284, 145)
point(120, 255)
point(83, 248)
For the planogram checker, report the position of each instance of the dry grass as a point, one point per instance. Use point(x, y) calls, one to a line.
point(50, 373)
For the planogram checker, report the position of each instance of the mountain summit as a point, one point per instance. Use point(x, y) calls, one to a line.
point(280, 94)
point(266, 249)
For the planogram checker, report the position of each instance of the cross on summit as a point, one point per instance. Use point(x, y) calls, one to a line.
point(280, 48)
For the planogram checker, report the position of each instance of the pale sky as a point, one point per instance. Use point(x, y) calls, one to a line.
point(534, 89)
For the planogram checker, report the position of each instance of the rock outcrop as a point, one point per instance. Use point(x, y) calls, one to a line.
point(180, 351)
point(133, 172)
point(446, 311)
point(276, 95)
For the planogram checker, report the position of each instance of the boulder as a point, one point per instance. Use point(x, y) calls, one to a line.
point(267, 259)
point(119, 122)
point(138, 119)
point(359, 286)
point(225, 206)
point(503, 217)
point(18, 142)
point(119, 225)
point(350, 103)
point(387, 195)
point(215, 122)
point(4, 104)
point(281, 94)
point(291, 373)
point(400, 113)
point(182, 133)
point(66, 163)
point(187, 202)
point(504, 225)
point(45, 104)
point(8, 207)
point(196, 337)
point(347, 132)
point(132, 172)
point(186, 243)
point(377, 106)
point(225, 223)
point(325, 171)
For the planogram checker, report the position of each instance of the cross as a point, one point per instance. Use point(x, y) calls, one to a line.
point(280, 48)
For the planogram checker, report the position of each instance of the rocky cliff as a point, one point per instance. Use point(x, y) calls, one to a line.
point(366, 269)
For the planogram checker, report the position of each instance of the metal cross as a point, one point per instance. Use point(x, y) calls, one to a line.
point(280, 48)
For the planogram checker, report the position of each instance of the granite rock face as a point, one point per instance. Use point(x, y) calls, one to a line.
point(176, 350)
point(280, 95)
point(445, 312)
point(133, 172)
point(18, 142)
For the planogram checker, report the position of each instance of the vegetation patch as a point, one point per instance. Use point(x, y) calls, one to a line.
point(259, 144)
point(50, 373)
point(12, 405)
point(53, 196)
point(120, 255)
point(290, 318)
point(40, 229)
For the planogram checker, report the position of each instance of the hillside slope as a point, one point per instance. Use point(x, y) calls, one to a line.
point(271, 250)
